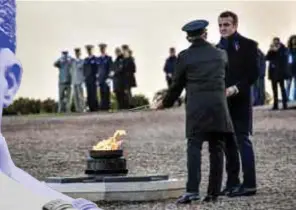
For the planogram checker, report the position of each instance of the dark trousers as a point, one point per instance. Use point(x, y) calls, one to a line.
point(122, 99)
point(129, 97)
point(274, 85)
point(169, 83)
point(259, 92)
point(92, 98)
point(247, 159)
point(231, 150)
point(194, 146)
point(105, 96)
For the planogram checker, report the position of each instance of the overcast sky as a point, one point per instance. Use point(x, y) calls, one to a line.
point(150, 28)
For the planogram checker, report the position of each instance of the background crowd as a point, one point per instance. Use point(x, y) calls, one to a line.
point(101, 73)
point(279, 63)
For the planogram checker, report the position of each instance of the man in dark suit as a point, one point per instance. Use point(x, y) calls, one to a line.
point(201, 70)
point(241, 74)
point(120, 80)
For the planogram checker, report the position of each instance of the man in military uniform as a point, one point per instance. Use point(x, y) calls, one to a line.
point(77, 81)
point(104, 68)
point(64, 64)
point(241, 74)
point(90, 74)
point(169, 66)
point(201, 70)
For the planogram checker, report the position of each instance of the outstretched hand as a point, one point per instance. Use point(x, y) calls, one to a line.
point(157, 105)
point(230, 91)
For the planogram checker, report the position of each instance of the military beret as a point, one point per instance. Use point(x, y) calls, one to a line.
point(77, 50)
point(89, 46)
point(195, 25)
point(102, 45)
point(125, 46)
point(65, 52)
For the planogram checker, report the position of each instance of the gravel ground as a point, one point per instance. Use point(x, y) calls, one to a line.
point(57, 146)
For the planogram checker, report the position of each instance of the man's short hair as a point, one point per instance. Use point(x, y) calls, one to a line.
point(125, 47)
point(226, 14)
point(277, 39)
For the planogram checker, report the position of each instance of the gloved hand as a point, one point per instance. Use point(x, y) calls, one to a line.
point(232, 90)
point(83, 204)
point(58, 205)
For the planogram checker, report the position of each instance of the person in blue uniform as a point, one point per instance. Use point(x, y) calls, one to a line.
point(104, 68)
point(78, 81)
point(65, 65)
point(90, 74)
point(201, 70)
point(241, 74)
point(169, 66)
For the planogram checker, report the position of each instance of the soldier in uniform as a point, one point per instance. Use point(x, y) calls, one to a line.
point(104, 68)
point(64, 64)
point(169, 66)
point(77, 81)
point(200, 69)
point(90, 73)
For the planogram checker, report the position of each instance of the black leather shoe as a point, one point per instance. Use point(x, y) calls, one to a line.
point(187, 198)
point(225, 191)
point(228, 190)
point(243, 191)
point(210, 198)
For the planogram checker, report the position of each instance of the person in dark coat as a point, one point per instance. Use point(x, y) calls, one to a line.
point(104, 69)
point(119, 80)
point(169, 66)
point(259, 86)
point(129, 67)
point(200, 69)
point(90, 74)
point(292, 67)
point(241, 74)
point(278, 71)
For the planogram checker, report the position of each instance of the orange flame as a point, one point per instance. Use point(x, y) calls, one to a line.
point(112, 143)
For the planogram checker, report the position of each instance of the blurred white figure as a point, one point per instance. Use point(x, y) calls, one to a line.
point(10, 80)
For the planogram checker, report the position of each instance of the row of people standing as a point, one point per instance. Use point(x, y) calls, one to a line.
point(95, 72)
point(281, 72)
point(282, 69)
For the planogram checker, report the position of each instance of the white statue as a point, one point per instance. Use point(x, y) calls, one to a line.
point(10, 80)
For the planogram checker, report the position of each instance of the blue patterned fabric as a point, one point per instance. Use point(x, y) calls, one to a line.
point(8, 24)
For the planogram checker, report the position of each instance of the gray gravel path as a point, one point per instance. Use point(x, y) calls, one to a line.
point(57, 146)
